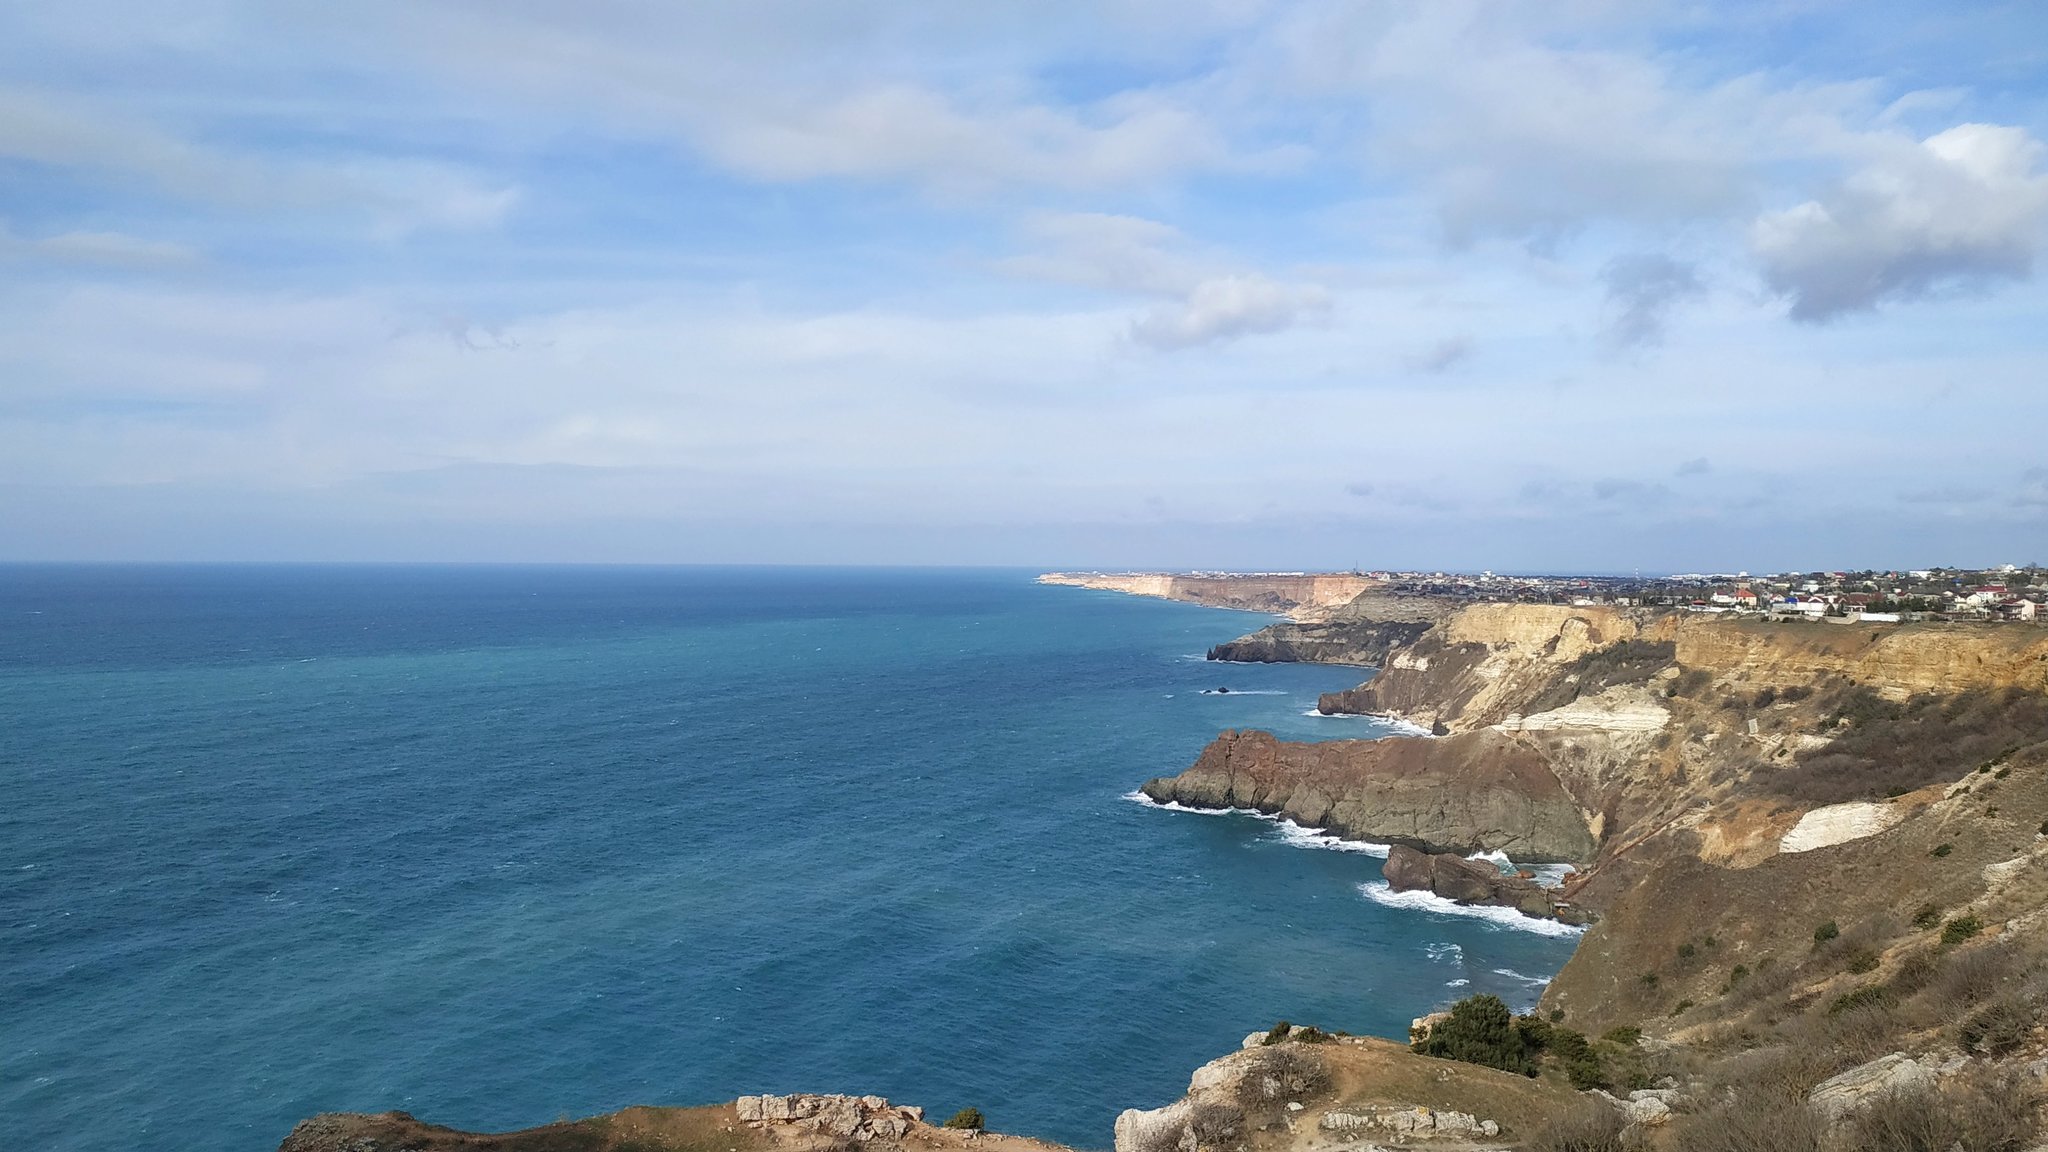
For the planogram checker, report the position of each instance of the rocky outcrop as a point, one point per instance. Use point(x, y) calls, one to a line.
point(1483, 791)
point(1410, 1122)
point(1840, 823)
point(1839, 1096)
point(1468, 881)
point(1362, 643)
point(1302, 596)
point(848, 1117)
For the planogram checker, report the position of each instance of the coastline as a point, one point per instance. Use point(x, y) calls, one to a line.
point(1661, 740)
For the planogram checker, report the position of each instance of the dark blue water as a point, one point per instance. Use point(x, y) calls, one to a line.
point(494, 845)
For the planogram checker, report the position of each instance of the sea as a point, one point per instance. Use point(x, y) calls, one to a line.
point(501, 845)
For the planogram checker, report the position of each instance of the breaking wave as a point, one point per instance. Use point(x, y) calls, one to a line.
point(1378, 892)
point(1288, 831)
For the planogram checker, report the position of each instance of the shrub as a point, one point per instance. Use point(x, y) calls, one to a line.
point(1625, 1035)
point(1686, 951)
point(1867, 996)
point(1277, 1033)
point(1998, 1028)
point(1556, 1014)
point(1967, 978)
point(1941, 850)
point(1960, 928)
point(1927, 917)
point(1751, 1118)
point(1480, 1030)
point(1588, 1126)
point(1680, 1008)
point(1928, 739)
point(1863, 961)
point(968, 1118)
point(1283, 1073)
point(1993, 1111)
point(1582, 1064)
point(1649, 979)
point(1915, 972)
point(1825, 933)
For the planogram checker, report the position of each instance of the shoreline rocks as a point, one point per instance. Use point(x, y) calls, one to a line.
point(1466, 881)
point(1476, 792)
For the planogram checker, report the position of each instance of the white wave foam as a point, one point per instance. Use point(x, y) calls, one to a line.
point(1458, 983)
point(1510, 973)
point(1246, 692)
point(1379, 893)
point(1445, 950)
point(1290, 833)
point(1497, 858)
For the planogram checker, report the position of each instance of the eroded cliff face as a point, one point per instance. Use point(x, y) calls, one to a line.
point(1364, 644)
point(1895, 659)
point(1300, 597)
point(1486, 791)
point(1484, 663)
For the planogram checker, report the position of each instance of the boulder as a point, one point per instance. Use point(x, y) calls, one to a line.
point(1842, 1095)
point(1454, 877)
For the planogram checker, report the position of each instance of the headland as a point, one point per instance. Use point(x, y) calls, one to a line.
point(1811, 848)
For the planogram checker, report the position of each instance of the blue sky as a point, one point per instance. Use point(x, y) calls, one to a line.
point(1584, 286)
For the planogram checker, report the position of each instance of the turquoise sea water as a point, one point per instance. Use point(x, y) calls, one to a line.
point(494, 845)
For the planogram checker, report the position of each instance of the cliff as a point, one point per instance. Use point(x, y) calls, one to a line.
point(1367, 644)
point(1301, 596)
point(1488, 791)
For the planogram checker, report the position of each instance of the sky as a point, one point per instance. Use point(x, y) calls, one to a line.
point(1560, 286)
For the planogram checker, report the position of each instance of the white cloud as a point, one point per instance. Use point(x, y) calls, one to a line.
point(1962, 208)
point(395, 196)
point(102, 248)
point(1206, 301)
point(1227, 307)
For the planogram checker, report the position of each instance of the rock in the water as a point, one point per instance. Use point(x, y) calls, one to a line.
point(1455, 877)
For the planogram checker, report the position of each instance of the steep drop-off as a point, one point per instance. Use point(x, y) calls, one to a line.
point(1393, 791)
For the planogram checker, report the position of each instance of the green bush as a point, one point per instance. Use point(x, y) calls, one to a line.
point(968, 1118)
point(1927, 917)
point(1868, 996)
point(1556, 1014)
point(1863, 961)
point(1277, 1033)
point(1625, 1035)
point(1680, 1008)
point(1960, 929)
point(1480, 1030)
point(1825, 933)
point(1941, 850)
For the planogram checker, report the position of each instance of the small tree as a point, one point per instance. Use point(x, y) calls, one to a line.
point(968, 1118)
point(1481, 1030)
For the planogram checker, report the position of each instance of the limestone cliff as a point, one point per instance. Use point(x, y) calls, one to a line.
point(1367, 644)
point(1301, 596)
point(1485, 662)
point(1487, 791)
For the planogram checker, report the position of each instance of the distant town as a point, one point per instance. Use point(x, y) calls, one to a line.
point(2009, 592)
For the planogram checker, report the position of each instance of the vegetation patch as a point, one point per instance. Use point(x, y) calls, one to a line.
point(1880, 745)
